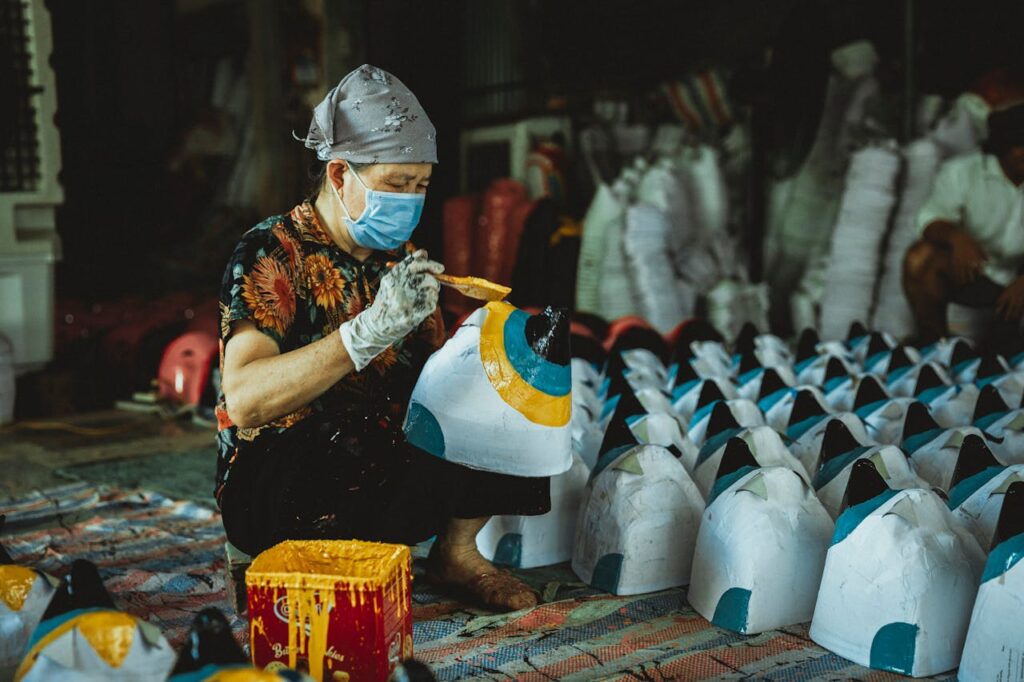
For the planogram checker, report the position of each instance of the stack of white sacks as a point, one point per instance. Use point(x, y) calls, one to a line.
point(658, 235)
point(874, 490)
point(921, 162)
point(856, 242)
point(958, 132)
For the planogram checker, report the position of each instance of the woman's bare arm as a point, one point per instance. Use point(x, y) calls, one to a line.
point(261, 384)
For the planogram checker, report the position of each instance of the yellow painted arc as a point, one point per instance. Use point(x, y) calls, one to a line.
point(110, 633)
point(15, 584)
point(537, 406)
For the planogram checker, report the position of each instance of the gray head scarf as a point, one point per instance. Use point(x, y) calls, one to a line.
point(372, 117)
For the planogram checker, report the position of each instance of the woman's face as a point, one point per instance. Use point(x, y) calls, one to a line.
point(406, 178)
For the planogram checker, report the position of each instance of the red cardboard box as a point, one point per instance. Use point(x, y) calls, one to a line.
point(339, 609)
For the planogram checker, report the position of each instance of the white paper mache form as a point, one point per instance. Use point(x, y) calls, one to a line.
point(841, 452)
point(900, 578)
point(933, 449)
point(994, 649)
point(764, 444)
point(806, 438)
point(543, 540)
point(21, 610)
point(638, 523)
point(979, 485)
point(497, 395)
point(78, 641)
point(760, 549)
point(713, 418)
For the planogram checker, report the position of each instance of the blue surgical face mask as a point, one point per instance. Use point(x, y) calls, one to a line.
point(387, 221)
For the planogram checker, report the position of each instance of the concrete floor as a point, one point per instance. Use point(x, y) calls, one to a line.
point(43, 454)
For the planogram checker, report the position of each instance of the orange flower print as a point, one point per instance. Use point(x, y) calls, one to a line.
point(325, 281)
point(289, 245)
point(269, 294)
point(353, 306)
point(293, 418)
point(223, 420)
point(386, 360)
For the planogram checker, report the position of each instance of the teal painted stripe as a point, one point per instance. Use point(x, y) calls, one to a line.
point(970, 485)
point(854, 342)
point(989, 419)
point(607, 458)
point(702, 413)
point(509, 551)
point(733, 607)
point(48, 626)
point(772, 399)
point(801, 427)
point(804, 364)
point(609, 406)
point(930, 395)
point(982, 383)
point(893, 648)
point(835, 382)
point(870, 363)
point(898, 374)
point(915, 443)
point(684, 388)
point(423, 430)
point(749, 376)
point(607, 573)
point(543, 375)
point(869, 409)
point(962, 367)
point(725, 482)
point(711, 445)
point(1003, 557)
point(852, 517)
point(833, 467)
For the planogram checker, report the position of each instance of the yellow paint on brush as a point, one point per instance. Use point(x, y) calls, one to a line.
point(310, 572)
point(537, 406)
point(110, 633)
point(15, 584)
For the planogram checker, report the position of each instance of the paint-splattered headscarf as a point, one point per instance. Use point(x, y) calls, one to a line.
point(372, 117)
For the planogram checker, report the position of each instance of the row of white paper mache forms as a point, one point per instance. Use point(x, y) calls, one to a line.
point(638, 532)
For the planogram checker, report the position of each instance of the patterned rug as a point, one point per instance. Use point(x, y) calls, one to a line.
point(164, 561)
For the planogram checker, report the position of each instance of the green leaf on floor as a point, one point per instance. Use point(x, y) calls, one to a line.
point(594, 609)
point(550, 592)
point(483, 623)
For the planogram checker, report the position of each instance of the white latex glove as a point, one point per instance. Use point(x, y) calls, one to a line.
point(407, 296)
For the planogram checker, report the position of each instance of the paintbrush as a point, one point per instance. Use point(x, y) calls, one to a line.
point(473, 287)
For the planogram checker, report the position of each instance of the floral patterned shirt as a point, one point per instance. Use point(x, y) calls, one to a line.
point(289, 278)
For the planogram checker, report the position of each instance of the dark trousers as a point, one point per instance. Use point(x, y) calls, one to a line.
point(1003, 336)
point(322, 479)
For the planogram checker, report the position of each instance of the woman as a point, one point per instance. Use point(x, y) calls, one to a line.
point(322, 343)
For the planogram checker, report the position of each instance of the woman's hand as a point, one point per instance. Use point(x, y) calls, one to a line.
point(1010, 304)
point(407, 296)
point(968, 258)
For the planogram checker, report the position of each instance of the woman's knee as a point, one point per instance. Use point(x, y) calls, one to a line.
point(922, 262)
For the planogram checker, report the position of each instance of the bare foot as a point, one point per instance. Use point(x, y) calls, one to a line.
point(463, 566)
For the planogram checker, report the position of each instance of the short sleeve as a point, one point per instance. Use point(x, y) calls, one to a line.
point(259, 285)
point(947, 199)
